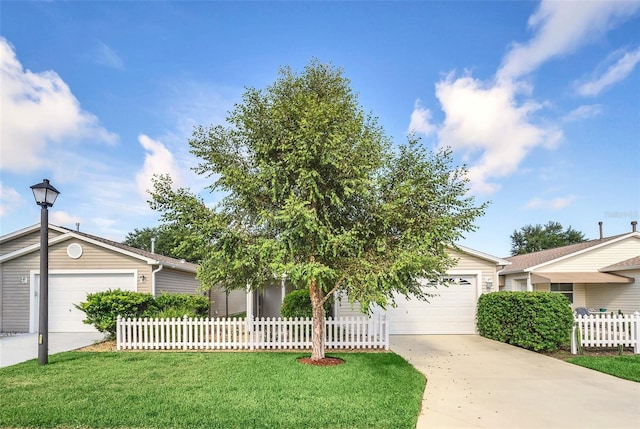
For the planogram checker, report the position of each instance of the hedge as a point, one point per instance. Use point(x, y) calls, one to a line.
point(538, 321)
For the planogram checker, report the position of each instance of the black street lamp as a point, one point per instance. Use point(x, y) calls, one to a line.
point(45, 196)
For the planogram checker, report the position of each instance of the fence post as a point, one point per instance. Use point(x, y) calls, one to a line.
point(185, 330)
point(118, 333)
point(386, 332)
point(250, 326)
point(636, 332)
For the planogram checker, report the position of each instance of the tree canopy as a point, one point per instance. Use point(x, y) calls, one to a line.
point(315, 189)
point(169, 241)
point(532, 238)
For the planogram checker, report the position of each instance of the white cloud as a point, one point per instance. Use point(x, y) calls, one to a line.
point(158, 160)
point(615, 73)
point(63, 218)
point(38, 110)
point(105, 56)
point(494, 125)
point(561, 27)
point(583, 112)
point(489, 128)
point(421, 120)
point(10, 200)
point(553, 204)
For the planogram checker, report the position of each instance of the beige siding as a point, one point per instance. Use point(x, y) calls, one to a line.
point(174, 281)
point(14, 309)
point(542, 287)
point(15, 294)
point(595, 259)
point(98, 258)
point(579, 295)
point(223, 306)
point(614, 297)
point(346, 309)
point(24, 241)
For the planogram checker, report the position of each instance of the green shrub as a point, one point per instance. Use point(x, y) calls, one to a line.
point(191, 305)
point(102, 308)
point(298, 304)
point(539, 321)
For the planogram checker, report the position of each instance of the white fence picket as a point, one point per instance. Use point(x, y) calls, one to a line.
point(249, 334)
point(607, 330)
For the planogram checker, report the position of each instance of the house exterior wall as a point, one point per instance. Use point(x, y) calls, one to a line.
point(614, 297)
point(223, 305)
point(16, 294)
point(595, 259)
point(14, 308)
point(23, 241)
point(515, 282)
point(173, 281)
point(466, 263)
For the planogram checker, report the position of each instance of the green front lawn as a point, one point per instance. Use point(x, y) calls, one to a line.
point(627, 367)
point(210, 390)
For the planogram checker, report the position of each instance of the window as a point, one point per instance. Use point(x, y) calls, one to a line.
point(564, 288)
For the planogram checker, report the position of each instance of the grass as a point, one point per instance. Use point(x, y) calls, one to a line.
point(626, 367)
point(210, 390)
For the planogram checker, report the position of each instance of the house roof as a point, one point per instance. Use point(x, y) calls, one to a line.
point(482, 255)
point(530, 261)
point(66, 234)
point(578, 277)
point(629, 264)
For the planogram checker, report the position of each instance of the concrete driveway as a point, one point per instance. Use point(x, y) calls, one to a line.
point(20, 348)
point(473, 382)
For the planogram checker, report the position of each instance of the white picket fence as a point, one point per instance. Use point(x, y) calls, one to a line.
point(607, 330)
point(249, 334)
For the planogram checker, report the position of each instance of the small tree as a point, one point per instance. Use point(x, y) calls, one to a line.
point(314, 190)
point(534, 238)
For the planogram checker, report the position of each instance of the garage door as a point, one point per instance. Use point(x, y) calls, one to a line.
point(65, 290)
point(453, 311)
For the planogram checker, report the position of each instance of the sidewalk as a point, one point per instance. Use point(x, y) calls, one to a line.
point(20, 348)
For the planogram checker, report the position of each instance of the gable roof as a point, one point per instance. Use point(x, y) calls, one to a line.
point(530, 261)
point(482, 255)
point(66, 234)
point(629, 264)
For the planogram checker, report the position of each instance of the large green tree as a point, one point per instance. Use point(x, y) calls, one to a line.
point(314, 189)
point(532, 238)
point(170, 240)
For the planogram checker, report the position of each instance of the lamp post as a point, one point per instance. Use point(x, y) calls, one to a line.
point(45, 196)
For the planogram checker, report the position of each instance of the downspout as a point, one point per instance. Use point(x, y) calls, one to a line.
point(153, 279)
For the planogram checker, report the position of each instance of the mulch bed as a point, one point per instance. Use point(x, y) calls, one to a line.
point(327, 361)
point(565, 353)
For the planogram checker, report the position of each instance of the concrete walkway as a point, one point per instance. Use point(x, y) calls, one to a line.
point(473, 382)
point(20, 348)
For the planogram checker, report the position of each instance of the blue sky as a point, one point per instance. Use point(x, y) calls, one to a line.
point(541, 100)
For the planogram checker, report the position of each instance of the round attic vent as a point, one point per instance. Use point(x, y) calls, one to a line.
point(74, 250)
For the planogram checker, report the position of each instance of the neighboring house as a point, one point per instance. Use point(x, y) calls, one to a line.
point(602, 273)
point(80, 264)
point(453, 311)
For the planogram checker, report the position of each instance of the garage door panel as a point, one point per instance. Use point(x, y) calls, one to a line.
point(452, 311)
point(65, 290)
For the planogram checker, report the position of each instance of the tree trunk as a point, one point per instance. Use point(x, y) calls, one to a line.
point(317, 334)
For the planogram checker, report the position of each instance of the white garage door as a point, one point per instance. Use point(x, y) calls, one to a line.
point(453, 311)
point(65, 290)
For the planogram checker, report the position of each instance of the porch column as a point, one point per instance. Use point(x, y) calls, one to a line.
point(249, 302)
